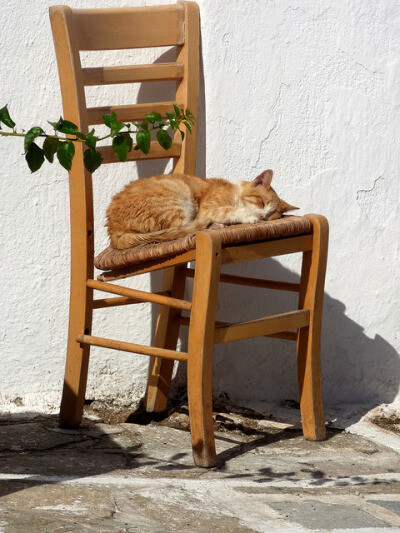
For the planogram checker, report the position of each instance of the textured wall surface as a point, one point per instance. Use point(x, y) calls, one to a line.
point(309, 89)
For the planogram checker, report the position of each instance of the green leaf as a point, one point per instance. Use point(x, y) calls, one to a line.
point(92, 159)
point(67, 127)
point(153, 117)
point(172, 120)
point(164, 139)
point(110, 120)
point(65, 154)
point(34, 157)
point(91, 139)
point(5, 117)
point(129, 140)
point(188, 125)
point(177, 111)
point(122, 144)
point(31, 136)
point(182, 134)
point(56, 124)
point(143, 139)
point(189, 116)
point(107, 118)
point(50, 146)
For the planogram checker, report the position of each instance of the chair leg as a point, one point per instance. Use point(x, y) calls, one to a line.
point(309, 338)
point(201, 340)
point(77, 363)
point(166, 336)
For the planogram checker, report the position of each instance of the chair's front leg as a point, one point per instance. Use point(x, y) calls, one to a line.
point(77, 363)
point(201, 341)
point(166, 336)
point(309, 338)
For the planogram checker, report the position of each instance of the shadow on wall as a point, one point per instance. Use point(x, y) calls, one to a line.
point(356, 369)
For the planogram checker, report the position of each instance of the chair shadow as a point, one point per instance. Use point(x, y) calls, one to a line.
point(356, 369)
point(34, 451)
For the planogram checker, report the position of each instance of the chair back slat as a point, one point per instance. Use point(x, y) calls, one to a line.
point(119, 28)
point(156, 152)
point(126, 113)
point(132, 74)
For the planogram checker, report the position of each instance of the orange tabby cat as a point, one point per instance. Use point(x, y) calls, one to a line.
point(166, 207)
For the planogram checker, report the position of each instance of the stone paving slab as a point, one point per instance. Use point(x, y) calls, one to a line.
point(114, 478)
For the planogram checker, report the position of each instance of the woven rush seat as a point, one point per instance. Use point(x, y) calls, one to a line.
point(113, 259)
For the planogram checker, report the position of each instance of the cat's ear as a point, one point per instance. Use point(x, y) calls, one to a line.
point(264, 178)
point(287, 207)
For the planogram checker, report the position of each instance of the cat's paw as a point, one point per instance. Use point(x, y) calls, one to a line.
point(250, 219)
point(216, 225)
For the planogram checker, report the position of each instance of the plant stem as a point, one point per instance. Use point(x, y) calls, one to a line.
point(12, 134)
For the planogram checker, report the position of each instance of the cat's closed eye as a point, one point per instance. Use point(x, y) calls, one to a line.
point(253, 199)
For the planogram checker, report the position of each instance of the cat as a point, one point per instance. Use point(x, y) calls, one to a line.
point(166, 207)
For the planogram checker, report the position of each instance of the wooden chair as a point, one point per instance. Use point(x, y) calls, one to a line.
point(174, 25)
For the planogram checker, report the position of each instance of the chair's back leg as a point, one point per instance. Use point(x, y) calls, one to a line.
point(309, 338)
point(201, 340)
point(166, 336)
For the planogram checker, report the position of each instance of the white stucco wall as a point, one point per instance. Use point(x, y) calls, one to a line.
point(308, 88)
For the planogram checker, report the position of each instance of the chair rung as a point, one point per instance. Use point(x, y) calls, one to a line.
point(287, 335)
point(140, 295)
point(126, 113)
point(132, 74)
point(156, 152)
point(253, 282)
point(262, 326)
point(132, 348)
point(120, 300)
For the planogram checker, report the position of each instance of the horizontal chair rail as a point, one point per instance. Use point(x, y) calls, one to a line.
point(127, 113)
point(121, 300)
point(132, 348)
point(140, 295)
point(286, 335)
point(156, 152)
point(149, 266)
point(132, 74)
point(262, 326)
point(253, 282)
point(260, 250)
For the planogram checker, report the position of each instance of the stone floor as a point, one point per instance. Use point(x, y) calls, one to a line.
point(136, 475)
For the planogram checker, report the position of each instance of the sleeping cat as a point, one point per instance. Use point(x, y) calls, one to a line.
point(166, 207)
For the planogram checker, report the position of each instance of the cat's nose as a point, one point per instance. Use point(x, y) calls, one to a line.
point(264, 217)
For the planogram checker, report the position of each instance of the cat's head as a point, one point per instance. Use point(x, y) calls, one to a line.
point(262, 199)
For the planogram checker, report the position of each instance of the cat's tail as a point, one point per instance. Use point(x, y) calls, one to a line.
point(129, 240)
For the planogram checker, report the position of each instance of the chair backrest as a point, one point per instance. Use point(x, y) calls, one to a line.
point(76, 30)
